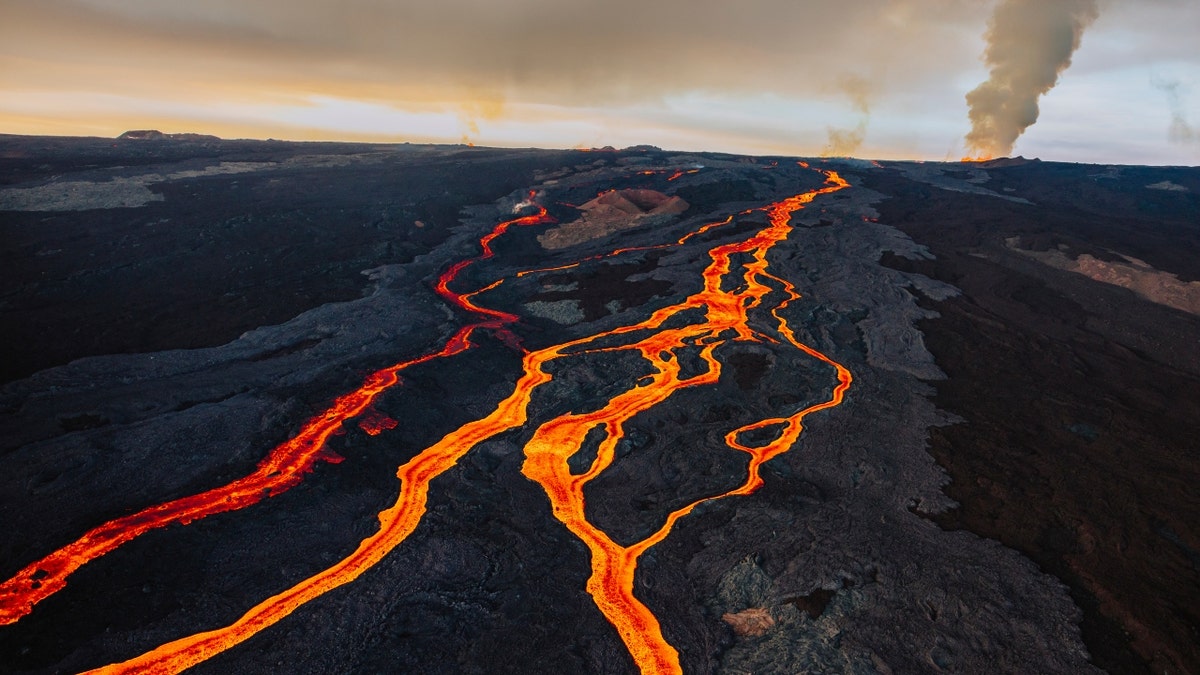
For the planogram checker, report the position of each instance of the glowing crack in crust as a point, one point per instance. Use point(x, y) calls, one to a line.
point(726, 317)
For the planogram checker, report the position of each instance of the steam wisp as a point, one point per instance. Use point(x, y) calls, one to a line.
point(846, 142)
point(1179, 131)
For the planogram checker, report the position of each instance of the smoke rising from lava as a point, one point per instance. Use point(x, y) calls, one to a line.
point(757, 76)
point(1030, 43)
point(846, 142)
point(1179, 131)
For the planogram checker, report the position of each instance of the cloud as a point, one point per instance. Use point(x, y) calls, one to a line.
point(756, 76)
point(540, 51)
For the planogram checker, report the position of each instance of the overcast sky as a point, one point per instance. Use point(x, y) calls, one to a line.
point(875, 78)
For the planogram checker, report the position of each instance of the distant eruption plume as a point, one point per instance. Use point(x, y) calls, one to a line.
point(1030, 43)
point(846, 142)
point(1179, 131)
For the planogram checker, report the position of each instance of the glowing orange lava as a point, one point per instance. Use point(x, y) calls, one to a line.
point(282, 469)
point(375, 423)
point(723, 314)
point(680, 173)
point(554, 442)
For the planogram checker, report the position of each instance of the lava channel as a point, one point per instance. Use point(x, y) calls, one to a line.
point(283, 468)
point(726, 317)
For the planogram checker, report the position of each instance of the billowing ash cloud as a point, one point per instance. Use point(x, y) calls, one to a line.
point(1030, 43)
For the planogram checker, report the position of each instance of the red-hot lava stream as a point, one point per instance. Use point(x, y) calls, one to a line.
point(611, 584)
point(279, 471)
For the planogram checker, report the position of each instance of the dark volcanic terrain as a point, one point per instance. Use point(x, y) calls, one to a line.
point(1008, 484)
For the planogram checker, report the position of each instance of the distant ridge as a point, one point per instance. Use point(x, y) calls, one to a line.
point(156, 135)
point(1001, 162)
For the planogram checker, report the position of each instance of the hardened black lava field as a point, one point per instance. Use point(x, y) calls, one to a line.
point(312, 407)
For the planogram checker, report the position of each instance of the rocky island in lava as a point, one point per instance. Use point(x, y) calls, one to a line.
point(276, 407)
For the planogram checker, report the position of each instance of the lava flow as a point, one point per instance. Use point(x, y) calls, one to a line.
point(554, 442)
point(281, 470)
point(726, 316)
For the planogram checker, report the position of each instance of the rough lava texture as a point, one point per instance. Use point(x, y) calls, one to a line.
point(614, 211)
point(860, 554)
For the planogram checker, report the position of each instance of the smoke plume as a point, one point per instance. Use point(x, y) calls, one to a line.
point(1179, 131)
point(846, 142)
point(1030, 43)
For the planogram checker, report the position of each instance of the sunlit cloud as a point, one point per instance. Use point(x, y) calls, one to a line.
point(762, 76)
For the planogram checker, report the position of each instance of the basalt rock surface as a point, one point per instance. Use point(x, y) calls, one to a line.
point(1006, 487)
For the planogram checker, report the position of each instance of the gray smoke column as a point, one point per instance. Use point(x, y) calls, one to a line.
point(1030, 43)
point(1179, 131)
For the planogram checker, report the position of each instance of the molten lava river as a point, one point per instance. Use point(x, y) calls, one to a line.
point(736, 285)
